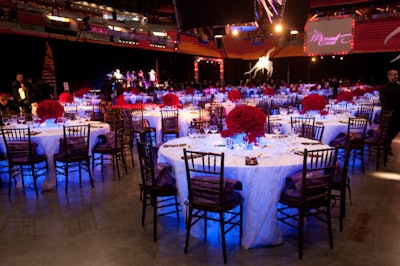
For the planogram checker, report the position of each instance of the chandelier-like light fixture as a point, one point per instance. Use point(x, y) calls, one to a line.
point(267, 4)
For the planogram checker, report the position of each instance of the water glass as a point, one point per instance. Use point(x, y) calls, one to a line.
point(13, 120)
point(192, 133)
point(213, 129)
point(206, 128)
point(229, 143)
point(21, 119)
point(277, 130)
point(5, 120)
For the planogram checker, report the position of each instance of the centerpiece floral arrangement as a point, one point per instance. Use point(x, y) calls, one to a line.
point(245, 119)
point(268, 91)
point(170, 99)
point(359, 91)
point(135, 91)
point(66, 97)
point(346, 96)
point(49, 109)
point(222, 89)
point(81, 92)
point(313, 102)
point(189, 91)
point(234, 95)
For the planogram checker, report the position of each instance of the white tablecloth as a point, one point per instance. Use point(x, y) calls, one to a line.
point(48, 143)
point(262, 184)
point(334, 124)
point(185, 117)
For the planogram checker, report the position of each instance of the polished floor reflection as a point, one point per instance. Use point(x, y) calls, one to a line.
point(102, 226)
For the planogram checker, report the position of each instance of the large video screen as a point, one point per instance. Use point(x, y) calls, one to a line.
point(329, 36)
point(202, 13)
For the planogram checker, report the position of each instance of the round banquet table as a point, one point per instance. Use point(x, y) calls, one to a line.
point(262, 183)
point(184, 119)
point(334, 124)
point(48, 143)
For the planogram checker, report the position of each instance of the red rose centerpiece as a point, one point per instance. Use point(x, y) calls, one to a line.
point(81, 92)
point(234, 95)
point(358, 91)
point(189, 91)
point(66, 97)
point(135, 91)
point(245, 119)
point(170, 99)
point(49, 109)
point(268, 91)
point(313, 102)
point(346, 96)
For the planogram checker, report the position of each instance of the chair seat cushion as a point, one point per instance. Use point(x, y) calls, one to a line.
point(202, 184)
point(294, 181)
point(373, 135)
point(163, 176)
point(19, 151)
point(340, 140)
point(105, 141)
point(170, 124)
point(74, 147)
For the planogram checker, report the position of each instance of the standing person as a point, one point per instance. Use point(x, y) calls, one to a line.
point(390, 101)
point(15, 85)
point(20, 93)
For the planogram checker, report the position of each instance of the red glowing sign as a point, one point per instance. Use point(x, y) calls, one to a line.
point(332, 35)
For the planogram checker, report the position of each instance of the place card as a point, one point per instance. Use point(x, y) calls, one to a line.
point(311, 143)
point(251, 160)
point(174, 145)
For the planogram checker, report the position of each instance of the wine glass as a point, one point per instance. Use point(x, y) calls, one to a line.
point(191, 132)
point(277, 130)
point(213, 129)
point(5, 120)
point(36, 121)
point(13, 120)
point(21, 119)
point(206, 128)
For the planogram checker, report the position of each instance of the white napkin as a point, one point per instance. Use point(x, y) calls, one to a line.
point(21, 93)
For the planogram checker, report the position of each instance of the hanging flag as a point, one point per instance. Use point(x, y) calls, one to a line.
point(48, 74)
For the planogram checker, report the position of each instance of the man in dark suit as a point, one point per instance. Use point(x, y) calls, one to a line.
point(20, 93)
point(390, 101)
